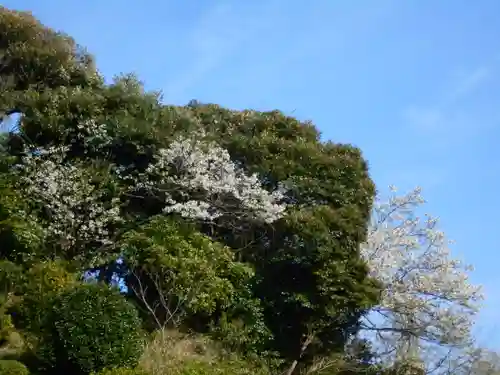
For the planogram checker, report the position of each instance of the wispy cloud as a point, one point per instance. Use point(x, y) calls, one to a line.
point(467, 83)
point(276, 38)
point(440, 128)
point(424, 119)
point(447, 116)
point(221, 32)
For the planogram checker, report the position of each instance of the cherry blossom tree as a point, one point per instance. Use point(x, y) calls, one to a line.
point(77, 211)
point(198, 180)
point(427, 304)
point(192, 177)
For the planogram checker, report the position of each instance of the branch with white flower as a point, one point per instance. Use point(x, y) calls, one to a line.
point(427, 300)
point(78, 212)
point(198, 180)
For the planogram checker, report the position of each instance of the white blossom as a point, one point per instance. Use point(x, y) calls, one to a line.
point(93, 135)
point(427, 300)
point(210, 184)
point(77, 211)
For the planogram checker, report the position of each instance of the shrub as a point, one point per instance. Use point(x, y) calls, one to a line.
point(38, 287)
point(94, 327)
point(11, 367)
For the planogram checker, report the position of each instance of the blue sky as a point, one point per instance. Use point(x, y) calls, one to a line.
point(415, 84)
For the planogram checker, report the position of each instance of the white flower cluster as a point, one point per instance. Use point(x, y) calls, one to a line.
point(210, 183)
point(426, 292)
point(94, 136)
point(77, 213)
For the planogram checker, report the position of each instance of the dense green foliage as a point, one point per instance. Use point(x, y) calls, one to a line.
point(241, 226)
point(80, 329)
point(185, 265)
point(95, 328)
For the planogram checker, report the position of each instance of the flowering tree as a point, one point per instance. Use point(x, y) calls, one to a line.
point(77, 210)
point(427, 302)
point(198, 180)
point(193, 178)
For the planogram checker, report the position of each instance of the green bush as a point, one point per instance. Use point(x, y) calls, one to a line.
point(93, 327)
point(38, 286)
point(11, 367)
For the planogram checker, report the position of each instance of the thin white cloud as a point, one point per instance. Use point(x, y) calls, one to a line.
point(440, 127)
point(468, 83)
point(425, 119)
point(223, 30)
point(232, 29)
point(446, 116)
